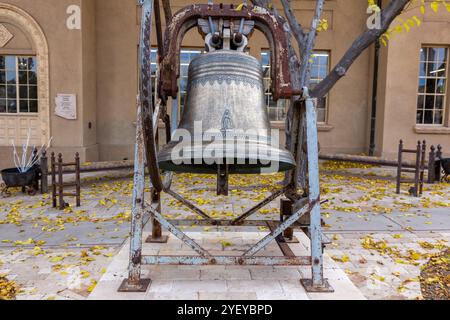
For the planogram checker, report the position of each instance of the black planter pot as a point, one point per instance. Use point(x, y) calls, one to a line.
point(13, 179)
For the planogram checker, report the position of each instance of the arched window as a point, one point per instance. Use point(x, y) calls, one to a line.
point(24, 78)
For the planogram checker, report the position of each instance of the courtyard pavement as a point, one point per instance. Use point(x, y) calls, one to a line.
point(379, 239)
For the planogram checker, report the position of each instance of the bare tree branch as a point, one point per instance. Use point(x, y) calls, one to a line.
point(368, 37)
point(167, 11)
point(296, 28)
point(310, 43)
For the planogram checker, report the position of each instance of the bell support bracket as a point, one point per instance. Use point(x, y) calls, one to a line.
point(187, 18)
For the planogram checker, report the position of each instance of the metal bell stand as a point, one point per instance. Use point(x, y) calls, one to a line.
point(148, 114)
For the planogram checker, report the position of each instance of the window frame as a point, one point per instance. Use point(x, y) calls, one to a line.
point(18, 85)
point(191, 50)
point(327, 100)
point(268, 95)
point(445, 102)
point(327, 96)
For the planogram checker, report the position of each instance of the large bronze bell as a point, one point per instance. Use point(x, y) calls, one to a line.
point(225, 121)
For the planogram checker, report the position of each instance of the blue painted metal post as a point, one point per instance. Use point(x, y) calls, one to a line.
point(134, 281)
point(317, 283)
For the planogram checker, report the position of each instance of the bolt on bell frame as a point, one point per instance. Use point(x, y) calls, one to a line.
point(304, 213)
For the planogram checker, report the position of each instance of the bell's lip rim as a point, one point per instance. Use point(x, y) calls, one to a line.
point(234, 168)
point(277, 154)
point(203, 144)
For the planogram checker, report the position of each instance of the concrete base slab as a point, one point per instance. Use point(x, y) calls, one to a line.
point(223, 282)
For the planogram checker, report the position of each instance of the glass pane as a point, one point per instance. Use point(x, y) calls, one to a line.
point(440, 72)
point(438, 117)
point(33, 105)
point(423, 54)
point(321, 115)
point(23, 77)
point(23, 106)
point(184, 70)
point(183, 84)
point(441, 83)
point(314, 72)
point(11, 63)
point(323, 71)
point(322, 103)
point(153, 68)
point(431, 85)
point(2, 105)
point(22, 63)
point(12, 92)
point(431, 69)
point(439, 102)
point(420, 102)
point(419, 118)
point(422, 82)
point(182, 98)
point(32, 92)
point(265, 58)
point(429, 102)
point(422, 69)
point(442, 54)
point(12, 106)
point(3, 92)
point(428, 117)
point(11, 77)
point(153, 55)
point(323, 59)
point(432, 54)
point(23, 92)
point(195, 54)
point(2, 62)
point(32, 63)
point(185, 58)
point(32, 78)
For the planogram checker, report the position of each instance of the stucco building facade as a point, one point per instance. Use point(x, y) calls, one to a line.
point(46, 51)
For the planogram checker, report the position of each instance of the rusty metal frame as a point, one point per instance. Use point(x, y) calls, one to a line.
point(272, 26)
point(240, 220)
point(190, 205)
point(146, 151)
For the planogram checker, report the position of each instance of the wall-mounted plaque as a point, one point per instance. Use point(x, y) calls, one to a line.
point(66, 106)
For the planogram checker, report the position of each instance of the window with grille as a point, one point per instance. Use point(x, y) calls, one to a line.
point(276, 110)
point(18, 84)
point(186, 56)
point(154, 67)
point(432, 86)
point(319, 70)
